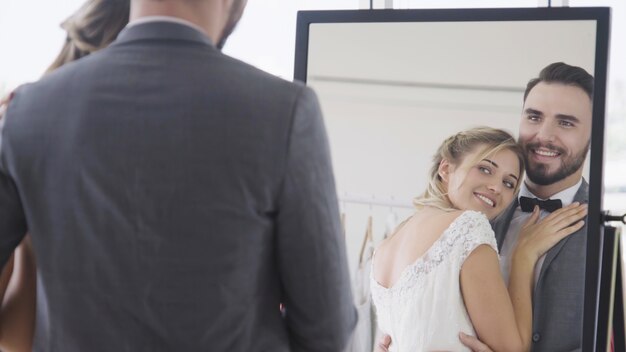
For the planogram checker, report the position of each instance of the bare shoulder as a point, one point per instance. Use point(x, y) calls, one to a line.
point(422, 228)
point(410, 242)
point(452, 215)
point(440, 219)
point(382, 246)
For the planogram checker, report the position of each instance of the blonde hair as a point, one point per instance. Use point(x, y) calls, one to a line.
point(454, 149)
point(92, 27)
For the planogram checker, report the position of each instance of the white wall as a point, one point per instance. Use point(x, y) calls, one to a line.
point(391, 93)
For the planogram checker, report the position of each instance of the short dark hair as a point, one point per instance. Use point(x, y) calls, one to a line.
point(563, 73)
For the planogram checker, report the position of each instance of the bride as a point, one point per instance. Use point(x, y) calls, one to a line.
point(439, 275)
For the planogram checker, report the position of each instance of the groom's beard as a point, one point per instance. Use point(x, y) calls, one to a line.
point(236, 11)
point(539, 174)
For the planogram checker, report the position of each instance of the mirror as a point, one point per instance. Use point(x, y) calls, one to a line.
point(394, 84)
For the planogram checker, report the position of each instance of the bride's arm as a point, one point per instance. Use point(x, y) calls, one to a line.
point(17, 290)
point(17, 313)
point(5, 277)
point(503, 320)
point(489, 305)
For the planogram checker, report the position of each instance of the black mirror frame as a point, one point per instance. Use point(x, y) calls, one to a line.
point(602, 17)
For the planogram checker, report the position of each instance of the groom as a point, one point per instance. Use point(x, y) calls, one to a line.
point(175, 196)
point(555, 133)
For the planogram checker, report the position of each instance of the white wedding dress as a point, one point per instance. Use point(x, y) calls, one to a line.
point(424, 310)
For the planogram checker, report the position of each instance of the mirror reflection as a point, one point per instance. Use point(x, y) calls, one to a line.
point(423, 120)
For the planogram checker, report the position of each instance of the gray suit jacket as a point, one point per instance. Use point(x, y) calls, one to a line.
point(558, 298)
point(175, 197)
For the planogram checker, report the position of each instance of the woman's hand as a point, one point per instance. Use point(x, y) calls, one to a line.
point(473, 343)
point(383, 343)
point(538, 236)
point(4, 101)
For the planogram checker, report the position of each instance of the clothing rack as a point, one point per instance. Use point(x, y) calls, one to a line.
point(373, 200)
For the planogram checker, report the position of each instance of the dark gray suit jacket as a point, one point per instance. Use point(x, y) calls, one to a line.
point(175, 197)
point(558, 298)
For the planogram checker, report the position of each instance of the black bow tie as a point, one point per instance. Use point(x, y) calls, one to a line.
point(528, 204)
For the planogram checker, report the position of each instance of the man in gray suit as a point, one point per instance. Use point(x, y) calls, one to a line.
point(555, 133)
point(175, 196)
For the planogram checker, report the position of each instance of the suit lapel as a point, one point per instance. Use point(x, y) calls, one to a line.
point(582, 196)
point(501, 224)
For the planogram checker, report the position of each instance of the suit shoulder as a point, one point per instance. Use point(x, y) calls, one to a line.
point(255, 78)
point(20, 97)
point(51, 82)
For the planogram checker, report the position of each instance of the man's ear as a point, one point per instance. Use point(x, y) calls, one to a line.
point(445, 167)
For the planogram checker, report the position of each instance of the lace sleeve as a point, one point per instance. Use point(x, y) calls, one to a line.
point(476, 230)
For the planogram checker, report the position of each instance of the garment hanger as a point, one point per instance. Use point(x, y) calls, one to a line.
point(392, 221)
point(342, 207)
point(368, 237)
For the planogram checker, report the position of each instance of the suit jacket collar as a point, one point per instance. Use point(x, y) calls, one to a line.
point(566, 196)
point(146, 19)
point(501, 223)
point(501, 226)
point(583, 193)
point(582, 196)
point(162, 30)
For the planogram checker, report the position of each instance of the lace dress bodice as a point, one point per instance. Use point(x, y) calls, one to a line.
point(424, 309)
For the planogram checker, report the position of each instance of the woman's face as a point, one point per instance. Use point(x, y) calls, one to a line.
point(487, 186)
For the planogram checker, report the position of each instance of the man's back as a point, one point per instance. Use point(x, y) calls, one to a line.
point(176, 197)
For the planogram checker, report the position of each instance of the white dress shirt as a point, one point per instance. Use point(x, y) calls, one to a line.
point(178, 20)
point(519, 218)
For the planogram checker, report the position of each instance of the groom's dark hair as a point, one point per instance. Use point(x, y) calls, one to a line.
point(563, 73)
